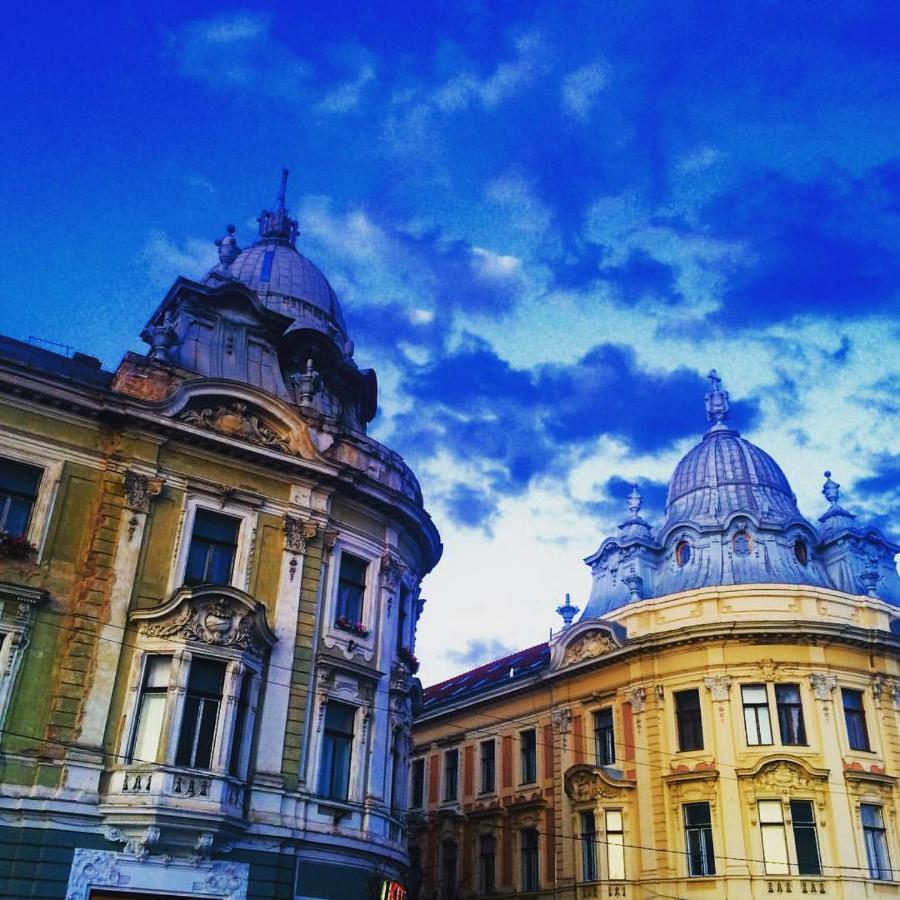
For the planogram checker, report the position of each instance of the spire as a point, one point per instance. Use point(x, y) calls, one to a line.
point(568, 611)
point(716, 402)
point(277, 224)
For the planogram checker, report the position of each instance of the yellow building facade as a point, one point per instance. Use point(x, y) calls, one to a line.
point(737, 738)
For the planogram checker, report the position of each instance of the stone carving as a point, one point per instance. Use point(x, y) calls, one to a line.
point(585, 785)
point(140, 490)
point(635, 585)
point(879, 686)
point(786, 779)
point(895, 691)
point(637, 697)
point(235, 420)
point(164, 876)
point(392, 570)
point(562, 719)
point(719, 686)
point(137, 844)
point(218, 620)
point(297, 534)
point(769, 669)
point(823, 685)
point(589, 645)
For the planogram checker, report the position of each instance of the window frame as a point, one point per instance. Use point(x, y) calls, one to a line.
point(450, 776)
point(692, 715)
point(589, 869)
point(605, 737)
point(210, 544)
point(808, 825)
point(860, 717)
point(530, 859)
point(610, 844)
point(47, 490)
point(248, 518)
point(345, 796)
point(755, 710)
point(706, 845)
point(528, 761)
point(488, 765)
point(369, 605)
point(487, 874)
point(875, 844)
point(417, 783)
point(782, 705)
point(773, 831)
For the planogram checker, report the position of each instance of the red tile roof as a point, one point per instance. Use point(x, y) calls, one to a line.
point(501, 671)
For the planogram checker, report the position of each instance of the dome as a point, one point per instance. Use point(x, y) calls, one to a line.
point(285, 280)
point(723, 475)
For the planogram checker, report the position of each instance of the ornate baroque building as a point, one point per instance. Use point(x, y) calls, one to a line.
point(722, 721)
point(209, 589)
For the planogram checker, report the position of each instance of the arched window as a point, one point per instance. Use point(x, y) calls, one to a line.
point(742, 543)
point(801, 552)
point(682, 553)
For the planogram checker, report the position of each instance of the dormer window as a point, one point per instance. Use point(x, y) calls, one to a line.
point(682, 553)
point(742, 543)
point(801, 552)
point(213, 547)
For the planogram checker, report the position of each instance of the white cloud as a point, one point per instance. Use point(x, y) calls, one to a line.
point(347, 96)
point(166, 260)
point(582, 87)
point(236, 51)
point(527, 213)
point(487, 264)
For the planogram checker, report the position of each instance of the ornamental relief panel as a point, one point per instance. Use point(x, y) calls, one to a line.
point(586, 783)
point(589, 645)
point(214, 616)
point(785, 779)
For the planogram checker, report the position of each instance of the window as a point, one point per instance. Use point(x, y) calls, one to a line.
point(235, 760)
point(488, 767)
point(806, 840)
point(18, 491)
point(790, 714)
point(875, 839)
point(451, 774)
point(688, 720)
point(682, 553)
point(615, 844)
point(487, 863)
point(589, 847)
point(604, 737)
point(698, 839)
point(530, 863)
point(201, 712)
point(448, 868)
point(351, 589)
point(418, 783)
point(855, 717)
point(774, 842)
point(337, 747)
point(756, 714)
point(528, 745)
point(801, 552)
point(213, 546)
point(742, 543)
point(151, 709)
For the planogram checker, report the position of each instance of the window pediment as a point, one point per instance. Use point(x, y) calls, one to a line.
point(587, 640)
point(211, 615)
point(584, 783)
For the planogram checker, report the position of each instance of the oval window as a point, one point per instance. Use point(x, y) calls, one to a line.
point(801, 552)
point(682, 553)
point(742, 542)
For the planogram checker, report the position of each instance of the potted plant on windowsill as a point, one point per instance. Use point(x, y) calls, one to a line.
point(408, 658)
point(17, 559)
point(357, 628)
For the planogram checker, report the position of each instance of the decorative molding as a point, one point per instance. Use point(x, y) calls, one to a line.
point(162, 875)
point(637, 697)
point(823, 685)
point(562, 719)
point(591, 644)
point(719, 686)
point(213, 615)
point(140, 490)
point(298, 533)
point(586, 783)
point(392, 570)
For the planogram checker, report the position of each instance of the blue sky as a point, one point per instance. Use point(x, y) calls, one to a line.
point(545, 222)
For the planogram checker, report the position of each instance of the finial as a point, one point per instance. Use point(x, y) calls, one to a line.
point(634, 501)
point(228, 247)
point(835, 512)
point(279, 224)
point(716, 401)
point(568, 611)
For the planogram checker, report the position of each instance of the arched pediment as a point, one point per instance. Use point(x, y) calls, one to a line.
point(587, 640)
point(212, 614)
point(584, 783)
point(242, 412)
point(782, 773)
